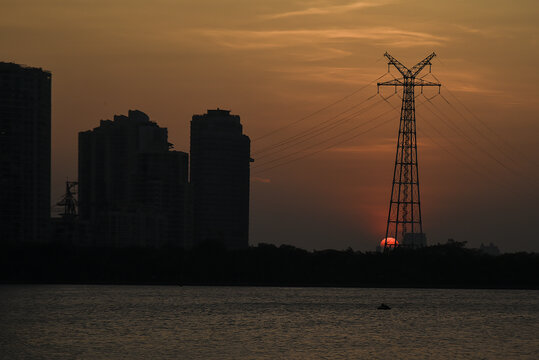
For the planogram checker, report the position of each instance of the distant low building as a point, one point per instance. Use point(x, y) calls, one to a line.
point(489, 249)
point(414, 240)
point(133, 189)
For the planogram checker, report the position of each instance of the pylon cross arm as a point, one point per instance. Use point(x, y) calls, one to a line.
point(415, 82)
point(421, 82)
point(394, 82)
point(420, 65)
point(409, 73)
point(397, 64)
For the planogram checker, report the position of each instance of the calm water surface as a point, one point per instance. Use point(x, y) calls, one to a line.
point(168, 322)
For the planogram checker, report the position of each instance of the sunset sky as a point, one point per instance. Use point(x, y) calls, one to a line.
point(273, 63)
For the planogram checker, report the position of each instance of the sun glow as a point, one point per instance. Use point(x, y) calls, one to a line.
point(391, 242)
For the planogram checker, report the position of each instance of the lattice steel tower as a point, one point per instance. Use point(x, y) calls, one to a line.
point(68, 200)
point(404, 219)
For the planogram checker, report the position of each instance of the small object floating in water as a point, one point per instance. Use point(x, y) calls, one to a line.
point(383, 307)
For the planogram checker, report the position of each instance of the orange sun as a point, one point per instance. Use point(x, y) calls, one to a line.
point(391, 242)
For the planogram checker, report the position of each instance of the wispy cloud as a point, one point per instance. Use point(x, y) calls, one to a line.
point(261, 180)
point(376, 148)
point(468, 81)
point(332, 9)
point(477, 90)
point(384, 146)
point(325, 74)
point(269, 39)
point(497, 32)
point(468, 29)
point(327, 54)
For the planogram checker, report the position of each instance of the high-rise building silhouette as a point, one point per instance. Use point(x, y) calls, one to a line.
point(25, 153)
point(133, 189)
point(220, 162)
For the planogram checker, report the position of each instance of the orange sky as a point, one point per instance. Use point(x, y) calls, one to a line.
point(273, 62)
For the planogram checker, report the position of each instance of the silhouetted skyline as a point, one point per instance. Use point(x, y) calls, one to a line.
point(277, 63)
point(133, 189)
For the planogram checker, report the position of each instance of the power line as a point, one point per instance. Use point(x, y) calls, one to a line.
point(326, 148)
point(314, 127)
point(499, 138)
point(456, 157)
point(511, 169)
point(446, 120)
point(323, 141)
point(319, 110)
point(474, 127)
point(473, 143)
point(492, 178)
point(314, 132)
point(454, 145)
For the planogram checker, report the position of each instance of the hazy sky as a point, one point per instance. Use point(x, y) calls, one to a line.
point(274, 62)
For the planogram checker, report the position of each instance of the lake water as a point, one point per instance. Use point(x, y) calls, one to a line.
point(168, 322)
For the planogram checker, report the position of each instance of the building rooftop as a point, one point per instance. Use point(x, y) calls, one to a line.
point(14, 66)
point(217, 114)
point(134, 117)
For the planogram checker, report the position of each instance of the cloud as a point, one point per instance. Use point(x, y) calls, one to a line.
point(376, 148)
point(260, 180)
point(490, 32)
point(454, 78)
point(344, 75)
point(271, 39)
point(468, 88)
point(468, 29)
point(334, 9)
point(327, 54)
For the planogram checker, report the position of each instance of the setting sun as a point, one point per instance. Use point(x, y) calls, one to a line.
point(391, 242)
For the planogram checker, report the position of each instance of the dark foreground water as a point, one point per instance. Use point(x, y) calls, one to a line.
point(167, 322)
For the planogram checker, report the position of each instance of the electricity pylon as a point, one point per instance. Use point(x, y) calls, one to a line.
point(68, 200)
point(404, 219)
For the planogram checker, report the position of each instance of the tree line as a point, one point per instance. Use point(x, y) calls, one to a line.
point(441, 266)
